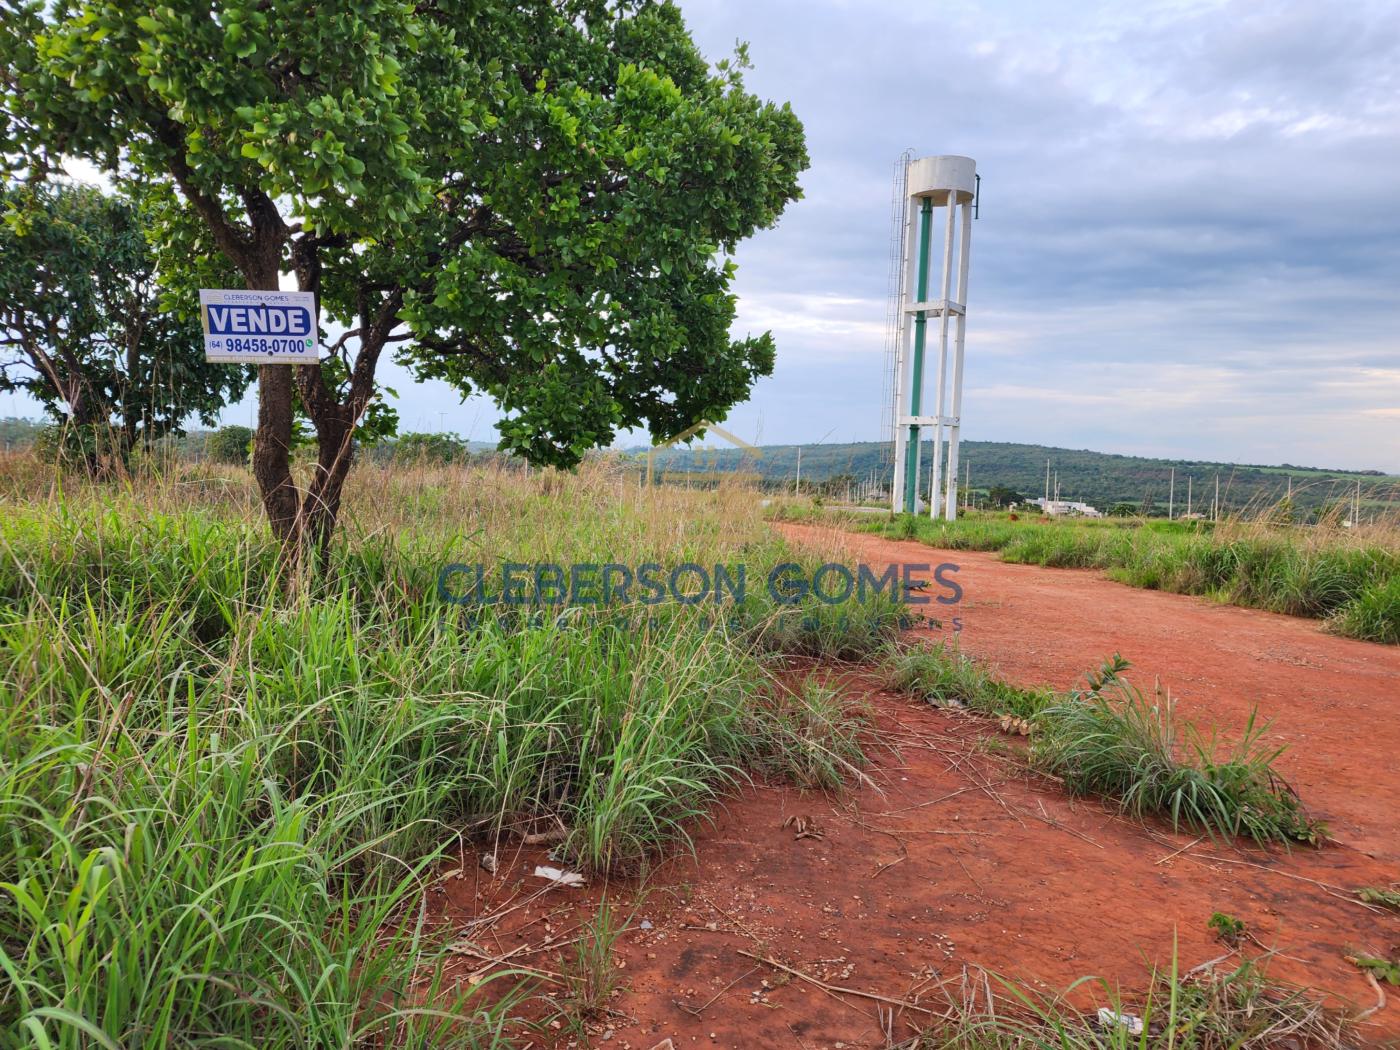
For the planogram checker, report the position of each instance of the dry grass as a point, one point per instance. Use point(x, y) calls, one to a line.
point(1204, 1009)
point(231, 794)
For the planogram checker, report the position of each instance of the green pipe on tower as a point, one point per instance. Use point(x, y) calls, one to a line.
point(911, 455)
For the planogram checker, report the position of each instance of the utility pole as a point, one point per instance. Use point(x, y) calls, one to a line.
point(1215, 507)
point(1171, 496)
point(1047, 479)
point(1189, 479)
point(797, 488)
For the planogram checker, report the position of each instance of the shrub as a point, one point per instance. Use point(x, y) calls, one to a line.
point(430, 448)
point(230, 444)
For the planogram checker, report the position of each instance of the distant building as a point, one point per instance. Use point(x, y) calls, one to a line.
point(1062, 508)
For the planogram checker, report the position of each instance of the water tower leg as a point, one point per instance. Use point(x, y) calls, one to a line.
point(916, 386)
point(955, 422)
point(942, 396)
point(903, 356)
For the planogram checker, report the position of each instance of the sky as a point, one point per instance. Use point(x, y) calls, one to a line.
point(1189, 241)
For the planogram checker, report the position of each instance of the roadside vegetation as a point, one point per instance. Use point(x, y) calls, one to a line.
point(1348, 577)
point(225, 791)
point(224, 796)
point(1109, 739)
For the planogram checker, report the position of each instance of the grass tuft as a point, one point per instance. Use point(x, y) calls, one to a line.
point(1112, 741)
point(1108, 740)
point(810, 737)
point(946, 677)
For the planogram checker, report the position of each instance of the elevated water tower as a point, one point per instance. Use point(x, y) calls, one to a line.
point(931, 183)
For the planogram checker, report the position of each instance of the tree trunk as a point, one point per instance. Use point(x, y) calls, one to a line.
point(335, 433)
point(272, 455)
point(86, 437)
point(272, 441)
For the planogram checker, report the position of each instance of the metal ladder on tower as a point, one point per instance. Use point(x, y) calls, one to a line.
point(894, 317)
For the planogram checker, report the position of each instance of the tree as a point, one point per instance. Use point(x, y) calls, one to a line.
point(1001, 496)
point(230, 444)
point(531, 199)
point(431, 448)
point(1123, 509)
point(81, 320)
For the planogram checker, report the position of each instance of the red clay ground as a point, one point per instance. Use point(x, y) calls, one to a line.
point(953, 862)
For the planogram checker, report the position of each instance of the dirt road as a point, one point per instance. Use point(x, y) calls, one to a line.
point(1334, 701)
point(953, 863)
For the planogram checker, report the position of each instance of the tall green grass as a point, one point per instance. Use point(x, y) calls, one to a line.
point(1113, 741)
point(1349, 580)
point(222, 800)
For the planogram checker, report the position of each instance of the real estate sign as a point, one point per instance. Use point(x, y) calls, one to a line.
point(263, 328)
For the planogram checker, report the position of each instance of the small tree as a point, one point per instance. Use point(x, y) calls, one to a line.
point(1002, 496)
point(87, 338)
point(230, 444)
point(531, 199)
point(431, 448)
point(1123, 509)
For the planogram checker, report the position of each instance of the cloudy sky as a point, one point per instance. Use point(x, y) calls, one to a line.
point(1190, 231)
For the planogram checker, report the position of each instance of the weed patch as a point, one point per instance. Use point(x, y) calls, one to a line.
point(1239, 1009)
point(1107, 739)
point(223, 799)
point(1111, 740)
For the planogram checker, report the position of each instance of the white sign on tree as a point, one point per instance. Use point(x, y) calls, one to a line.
point(260, 328)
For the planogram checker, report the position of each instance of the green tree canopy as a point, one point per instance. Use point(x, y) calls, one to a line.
point(81, 328)
point(535, 200)
point(1002, 496)
point(230, 444)
point(430, 448)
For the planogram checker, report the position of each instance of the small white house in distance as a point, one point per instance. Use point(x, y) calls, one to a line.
point(1066, 508)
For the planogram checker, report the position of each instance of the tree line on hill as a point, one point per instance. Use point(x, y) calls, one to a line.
point(1003, 472)
point(1006, 474)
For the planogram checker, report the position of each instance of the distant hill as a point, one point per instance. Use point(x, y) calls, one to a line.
point(1099, 478)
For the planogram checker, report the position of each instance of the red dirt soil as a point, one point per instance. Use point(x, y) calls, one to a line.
point(953, 861)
